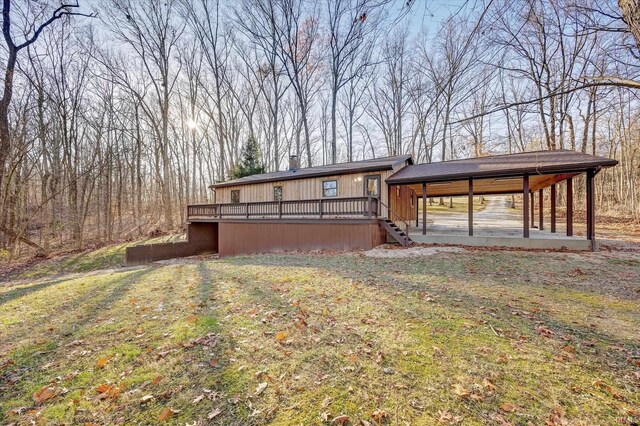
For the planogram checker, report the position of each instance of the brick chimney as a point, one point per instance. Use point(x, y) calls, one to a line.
point(294, 164)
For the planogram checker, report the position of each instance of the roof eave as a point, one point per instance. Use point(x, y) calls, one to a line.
point(306, 176)
point(576, 168)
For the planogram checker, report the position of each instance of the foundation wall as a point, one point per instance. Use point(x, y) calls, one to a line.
point(269, 236)
point(202, 238)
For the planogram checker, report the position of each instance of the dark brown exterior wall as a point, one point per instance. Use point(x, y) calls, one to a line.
point(201, 238)
point(401, 205)
point(268, 236)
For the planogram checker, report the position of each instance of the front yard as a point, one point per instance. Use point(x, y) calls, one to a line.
point(469, 337)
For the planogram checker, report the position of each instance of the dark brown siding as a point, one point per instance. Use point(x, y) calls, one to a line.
point(201, 238)
point(401, 205)
point(268, 236)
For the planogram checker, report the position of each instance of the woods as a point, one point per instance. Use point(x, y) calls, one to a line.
point(113, 119)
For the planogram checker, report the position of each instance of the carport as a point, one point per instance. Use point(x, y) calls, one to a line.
point(529, 174)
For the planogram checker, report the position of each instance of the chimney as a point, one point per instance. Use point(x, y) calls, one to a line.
point(293, 163)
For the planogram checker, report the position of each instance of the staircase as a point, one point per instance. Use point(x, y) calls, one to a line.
point(396, 233)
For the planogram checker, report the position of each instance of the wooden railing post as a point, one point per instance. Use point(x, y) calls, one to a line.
point(369, 207)
point(246, 208)
point(320, 208)
point(280, 209)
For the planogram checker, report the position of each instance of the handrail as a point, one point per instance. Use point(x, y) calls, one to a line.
point(406, 224)
point(348, 206)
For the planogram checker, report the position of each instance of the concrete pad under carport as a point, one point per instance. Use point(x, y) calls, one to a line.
point(511, 242)
point(497, 225)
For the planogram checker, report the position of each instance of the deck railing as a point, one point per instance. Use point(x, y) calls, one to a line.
point(365, 207)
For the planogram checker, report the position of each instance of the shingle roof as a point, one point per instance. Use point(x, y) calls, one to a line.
point(376, 164)
point(506, 165)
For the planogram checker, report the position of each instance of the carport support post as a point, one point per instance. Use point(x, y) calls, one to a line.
point(540, 209)
point(591, 217)
point(533, 209)
point(525, 205)
point(424, 209)
point(569, 207)
point(553, 208)
point(471, 207)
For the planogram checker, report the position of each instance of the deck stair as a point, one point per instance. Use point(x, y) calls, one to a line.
point(396, 233)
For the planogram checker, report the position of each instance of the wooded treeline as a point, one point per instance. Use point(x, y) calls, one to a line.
point(120, 116)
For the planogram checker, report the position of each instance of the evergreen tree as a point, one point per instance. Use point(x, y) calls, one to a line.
point(250, 163)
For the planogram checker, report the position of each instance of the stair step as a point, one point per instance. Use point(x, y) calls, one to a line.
point(396, 232)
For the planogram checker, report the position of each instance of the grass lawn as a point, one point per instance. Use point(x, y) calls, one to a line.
point(460, 205)
point(474, 338)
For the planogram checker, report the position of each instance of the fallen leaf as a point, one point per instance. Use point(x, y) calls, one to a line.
point(45, 393)
point(18, 410)
point(165, 414)
point(215, 413)
point(326, 402)
point(340, 420)
point(379, 415)
point(448, 418)
point(102, 361)
point(280, 336)
point(489, 385)
point(555, 417)
point(106, 391)
point(197, 399)
point(544, 331)
point(261, 387)
point(146, 399)
point(607, 388)
point(461, 391)
point(508, 407)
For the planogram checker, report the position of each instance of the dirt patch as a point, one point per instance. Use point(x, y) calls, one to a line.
point(389, 253)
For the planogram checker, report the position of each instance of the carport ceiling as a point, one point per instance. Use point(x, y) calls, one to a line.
point(490, 185)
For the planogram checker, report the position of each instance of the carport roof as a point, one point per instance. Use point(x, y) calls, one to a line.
point(506, 165)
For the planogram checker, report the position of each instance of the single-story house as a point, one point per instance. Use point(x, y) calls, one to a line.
point(362, 204)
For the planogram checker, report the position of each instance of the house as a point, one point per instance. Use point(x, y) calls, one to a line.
point(362, 204)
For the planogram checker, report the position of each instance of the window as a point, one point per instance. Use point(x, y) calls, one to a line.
point(277, 193)
point(330, 188)
point(235, 196)
point(413, 198)
point(372, 185)
point(397, 191)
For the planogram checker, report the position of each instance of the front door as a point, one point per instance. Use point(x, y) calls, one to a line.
point(372, 185)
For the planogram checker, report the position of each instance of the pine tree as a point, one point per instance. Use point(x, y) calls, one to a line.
point(250, 163)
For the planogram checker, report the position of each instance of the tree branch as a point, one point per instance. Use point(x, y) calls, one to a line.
point(603, 81)
point(57, 14)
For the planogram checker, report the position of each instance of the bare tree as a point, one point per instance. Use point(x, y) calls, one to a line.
point(352, 26)
point(152, 30)
point(37, 22)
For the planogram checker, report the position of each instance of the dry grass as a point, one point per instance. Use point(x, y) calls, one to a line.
point(452, 205)
point(477, 337)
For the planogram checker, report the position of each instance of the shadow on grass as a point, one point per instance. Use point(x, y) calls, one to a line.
point(85, 309)
point(27, 289)
point(413, 276)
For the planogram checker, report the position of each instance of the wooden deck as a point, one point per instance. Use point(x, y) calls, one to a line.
point(324, 208)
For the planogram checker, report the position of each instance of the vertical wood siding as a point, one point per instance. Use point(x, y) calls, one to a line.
point(401, 204)
point(349, 185)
